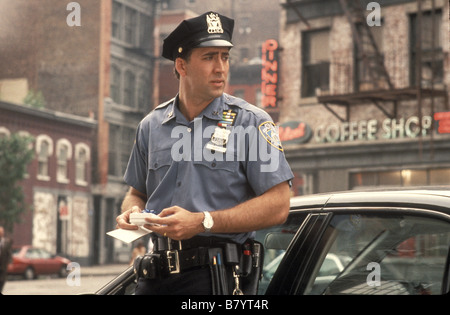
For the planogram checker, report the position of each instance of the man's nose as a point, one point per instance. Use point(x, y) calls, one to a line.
point(220, 65)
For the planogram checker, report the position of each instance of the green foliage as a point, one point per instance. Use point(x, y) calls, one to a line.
point(15, 155)
point(34, 99)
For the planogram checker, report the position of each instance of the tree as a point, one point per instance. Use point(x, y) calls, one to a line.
point(15, 155)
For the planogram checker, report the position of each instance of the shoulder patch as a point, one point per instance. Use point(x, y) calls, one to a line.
point(270, 132)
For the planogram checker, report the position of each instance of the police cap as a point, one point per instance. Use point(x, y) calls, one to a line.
point(207, 30)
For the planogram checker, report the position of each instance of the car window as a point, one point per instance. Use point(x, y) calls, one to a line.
point(32, 253)
point(389, 254)
point(44, 254)
point(276, 240)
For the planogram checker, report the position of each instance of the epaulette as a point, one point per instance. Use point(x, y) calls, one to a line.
point(165, 104)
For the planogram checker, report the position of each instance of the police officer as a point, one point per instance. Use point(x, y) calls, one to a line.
point(210, 165)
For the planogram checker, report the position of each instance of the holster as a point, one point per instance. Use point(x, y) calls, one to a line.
point(150, 266)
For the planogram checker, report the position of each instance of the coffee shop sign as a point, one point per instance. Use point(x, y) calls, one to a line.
point(366, 130)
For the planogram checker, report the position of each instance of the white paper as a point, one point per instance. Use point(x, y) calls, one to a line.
point(128, 236)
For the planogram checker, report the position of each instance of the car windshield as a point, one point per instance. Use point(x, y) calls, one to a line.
point(390, 254)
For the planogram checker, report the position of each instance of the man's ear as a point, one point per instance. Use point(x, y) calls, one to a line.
point(180, 66)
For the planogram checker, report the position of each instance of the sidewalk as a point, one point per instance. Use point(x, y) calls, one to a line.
point(103, 270)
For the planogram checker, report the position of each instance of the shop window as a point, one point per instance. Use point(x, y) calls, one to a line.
point(63, 155)
point(391, 178)
point(406, 177)
point(414, 177)
point(44, 149)
point(431, 52)
point(440, 176)
point(316, 62)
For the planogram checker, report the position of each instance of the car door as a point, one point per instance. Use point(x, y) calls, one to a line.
point(379, 250)
point(294, 265)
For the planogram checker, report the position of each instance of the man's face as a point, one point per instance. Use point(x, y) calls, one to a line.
point(206, 72)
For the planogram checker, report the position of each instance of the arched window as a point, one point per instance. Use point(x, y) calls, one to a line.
point(82, 157)
point(44, 149)
point(63, 155)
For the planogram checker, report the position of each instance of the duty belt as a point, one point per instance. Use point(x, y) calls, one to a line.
point(171, 257)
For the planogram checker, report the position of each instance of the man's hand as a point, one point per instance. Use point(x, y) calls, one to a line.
point(123, 220)
point(176, 223)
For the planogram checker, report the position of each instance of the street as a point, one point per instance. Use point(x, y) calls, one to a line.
point(91, 279)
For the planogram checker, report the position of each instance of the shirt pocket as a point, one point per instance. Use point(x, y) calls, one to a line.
point(159, 163)
point(227, 166)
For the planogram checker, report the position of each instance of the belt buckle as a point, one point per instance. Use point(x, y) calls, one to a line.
point(173, 258)
point(173, 261)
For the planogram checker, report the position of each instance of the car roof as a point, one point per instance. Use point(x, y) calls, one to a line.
point(433, 198)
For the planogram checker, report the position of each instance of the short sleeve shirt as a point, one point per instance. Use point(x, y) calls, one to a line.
point(227, 155)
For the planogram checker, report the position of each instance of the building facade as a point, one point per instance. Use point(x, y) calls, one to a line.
point(58, 181)
point(365, 93)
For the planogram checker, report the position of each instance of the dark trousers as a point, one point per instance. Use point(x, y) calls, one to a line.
point(191, 282)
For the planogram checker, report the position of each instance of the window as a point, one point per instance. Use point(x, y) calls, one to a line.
point(404, 177)
point(144, 94)
point(121, 141)
point(316, 62)
point(44, 149)
point(368, 73)
point(431, 53)
point(82, 157)
point(115, 84)
point(382, 254)
point(129, 98)
point(116, 20)
point(63, 155)
point(130, 26)
point(145, 32)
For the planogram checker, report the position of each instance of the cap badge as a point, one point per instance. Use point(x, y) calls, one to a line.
point(214, 23)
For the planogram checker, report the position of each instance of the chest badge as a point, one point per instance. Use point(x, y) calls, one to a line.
point(219, 139)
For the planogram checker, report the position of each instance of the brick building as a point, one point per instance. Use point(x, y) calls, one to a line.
point(361, 88)
point(58, 181)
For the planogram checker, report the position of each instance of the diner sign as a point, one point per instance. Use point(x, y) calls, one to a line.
point(269, 74)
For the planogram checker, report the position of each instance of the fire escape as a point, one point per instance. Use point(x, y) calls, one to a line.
point(380, 90)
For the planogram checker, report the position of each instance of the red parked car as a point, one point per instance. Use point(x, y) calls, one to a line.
point(31, 262)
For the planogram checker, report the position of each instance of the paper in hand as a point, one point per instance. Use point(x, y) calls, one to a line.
point(129, 236)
